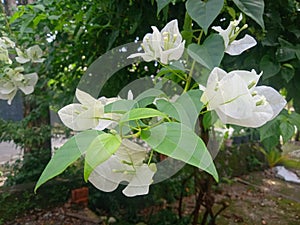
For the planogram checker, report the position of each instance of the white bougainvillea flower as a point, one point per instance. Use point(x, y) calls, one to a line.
point(126, 165)
point(269, 103)
point(4, 57)
point(164, 46)
point(33, 54)
point(236, 99)
point(14, 80)
point(83, 115)
point(88, 113)
point(7, 90)
point(232, 46)
point(5, 42)
point(110, 118)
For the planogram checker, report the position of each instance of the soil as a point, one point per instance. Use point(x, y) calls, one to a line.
point(258, 198)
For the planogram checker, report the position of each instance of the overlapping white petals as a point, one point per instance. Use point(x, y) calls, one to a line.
point(164, 46)
point(237, 100)
point(232, 46)
point(87, 114)
point(6, 43)
point(14, 80)
point(33, 54)
point(126, 165)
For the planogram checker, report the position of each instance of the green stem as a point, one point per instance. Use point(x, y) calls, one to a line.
point(135, 135)
point(173, 71)
point(5, 18)
point(189, 79)
point(150, 157)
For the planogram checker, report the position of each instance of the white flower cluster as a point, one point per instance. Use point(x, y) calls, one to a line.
point(164, 46)
point(88, 113)
point(232, 46)
point(237, 100)
point(126, 164)
point(12, 79)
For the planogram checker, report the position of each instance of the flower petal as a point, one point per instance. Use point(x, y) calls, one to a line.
point(238, 46)
point(172, 54)
point(85, 98)
point(272, 96)
point(69, 115)
point(139, 184)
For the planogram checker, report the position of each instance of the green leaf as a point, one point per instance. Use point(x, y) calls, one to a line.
point(210, 53)
point(270, 134)
point(290, 163)
point(141, 113)
point(66, 155)
point(16, 15)
point(25, 23)
point(54, 17)
point(162, 4)
point(295, 119)
point(252, 8)
point(186, 109)
point(287, 51)
point(269, 66)
point(187, 32)
point(101, 148)
point(180, 142)
point(39, 7)
point(147, 97)
point(269, 129)
point(287, 72)
point(204, 12)
point(119, 106)
point(39, 18)
point(209, 119)
point(287, 131)
point(271, 142)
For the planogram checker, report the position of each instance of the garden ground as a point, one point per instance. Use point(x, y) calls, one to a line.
point(257, 198)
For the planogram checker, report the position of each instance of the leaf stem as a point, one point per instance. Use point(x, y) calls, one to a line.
point(150, 157)
point(189, 79)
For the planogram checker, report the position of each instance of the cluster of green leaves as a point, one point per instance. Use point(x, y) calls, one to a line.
point(284, 125)
point(280, 55)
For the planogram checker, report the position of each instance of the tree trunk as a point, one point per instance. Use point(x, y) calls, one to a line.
point(10, 6)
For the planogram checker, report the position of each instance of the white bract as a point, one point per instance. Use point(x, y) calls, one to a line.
point(33, 54)
point(4, 57)
point(14, 80)
point(87, 114)
point(125, 165)
point(236, 99)
point(6, 43)
point(232, 46)
point(163, 46)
